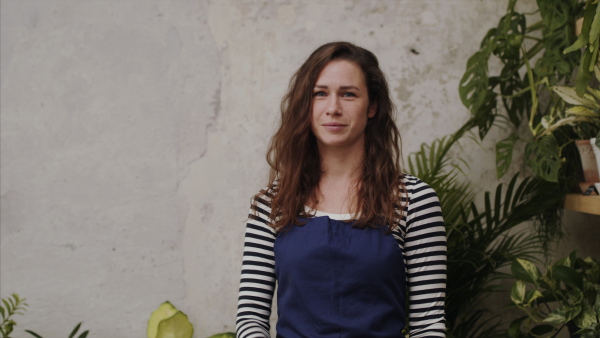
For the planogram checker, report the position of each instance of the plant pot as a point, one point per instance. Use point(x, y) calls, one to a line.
point(596, 152)
point(588, 161)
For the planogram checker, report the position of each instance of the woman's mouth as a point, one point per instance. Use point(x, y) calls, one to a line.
point(333, 126)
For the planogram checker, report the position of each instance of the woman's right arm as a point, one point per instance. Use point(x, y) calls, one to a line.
point(258, 274)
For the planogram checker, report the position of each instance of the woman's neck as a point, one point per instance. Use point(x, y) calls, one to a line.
point(336, 192)
point(337, 164)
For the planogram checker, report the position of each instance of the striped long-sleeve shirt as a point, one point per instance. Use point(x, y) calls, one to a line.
point(420, 234)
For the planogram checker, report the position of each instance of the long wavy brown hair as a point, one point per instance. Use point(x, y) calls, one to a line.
point(294, 157)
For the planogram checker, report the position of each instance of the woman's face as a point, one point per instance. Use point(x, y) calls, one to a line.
point(340, 107)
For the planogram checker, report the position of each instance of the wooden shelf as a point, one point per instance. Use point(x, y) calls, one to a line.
point(581, 203)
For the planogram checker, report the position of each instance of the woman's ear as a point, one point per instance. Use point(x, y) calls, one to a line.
point(372, 110)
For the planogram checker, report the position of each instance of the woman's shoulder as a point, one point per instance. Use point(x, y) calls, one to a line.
point(414, 184)
point(266, 194)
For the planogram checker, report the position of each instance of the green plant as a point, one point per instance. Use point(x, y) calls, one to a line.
point(522, 86)
point(72, 335)
point(526, 93)
point(12, 305)
point(567, 293)
point(583, 114)
point(168, 322)
point(480, 241)
point(15, 305)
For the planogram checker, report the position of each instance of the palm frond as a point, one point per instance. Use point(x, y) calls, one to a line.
point(481, 239)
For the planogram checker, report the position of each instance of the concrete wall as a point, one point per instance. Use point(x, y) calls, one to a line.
point(133, 135)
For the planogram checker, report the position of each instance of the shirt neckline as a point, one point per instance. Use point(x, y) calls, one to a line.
point(338, 217)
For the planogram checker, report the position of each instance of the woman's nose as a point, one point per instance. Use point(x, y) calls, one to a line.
point(334, 107)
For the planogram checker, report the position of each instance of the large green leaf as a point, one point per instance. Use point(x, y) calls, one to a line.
point(475, 92)
point(165, 310)
point(587, 317)
point(176, 326)
point(517, 292)
point(555, 14)
point(476, 86)
point(563, 314)
point(532, 295)
point(568, 276)
point(543, 156)
point(526, 271)
point(509, 36)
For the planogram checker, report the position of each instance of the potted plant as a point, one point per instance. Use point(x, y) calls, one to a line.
point(583, 115)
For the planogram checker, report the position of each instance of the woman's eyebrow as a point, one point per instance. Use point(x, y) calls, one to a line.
point(341, 87)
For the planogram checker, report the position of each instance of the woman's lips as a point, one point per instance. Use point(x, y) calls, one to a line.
point(333, 126)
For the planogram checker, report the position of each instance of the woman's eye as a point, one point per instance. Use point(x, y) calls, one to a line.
point(319, 94)
point(348, 95)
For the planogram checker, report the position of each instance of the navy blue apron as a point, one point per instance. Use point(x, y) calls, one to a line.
point(338, 281)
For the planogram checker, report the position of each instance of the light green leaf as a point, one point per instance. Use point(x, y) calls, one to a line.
point(582, 111)
point(532, 295)
point(563, 314)
point(165, 310)
point(582, 40)
point(586, 318)
point(569, 95)
point(580, 43)
point(525, 270)
point(176, 326)
point(517, 293)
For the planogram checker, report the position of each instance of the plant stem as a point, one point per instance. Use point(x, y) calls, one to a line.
point(532, 85)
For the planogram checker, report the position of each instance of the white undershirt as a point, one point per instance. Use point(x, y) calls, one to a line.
point(337, 217)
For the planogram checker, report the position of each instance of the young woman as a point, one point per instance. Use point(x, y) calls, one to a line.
point(341, 230)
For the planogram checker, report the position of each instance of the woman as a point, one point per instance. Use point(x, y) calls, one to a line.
point(344, 234)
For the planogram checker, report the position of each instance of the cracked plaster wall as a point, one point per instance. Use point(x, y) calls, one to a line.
point(134, 132)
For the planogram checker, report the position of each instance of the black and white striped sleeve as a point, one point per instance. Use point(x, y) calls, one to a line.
point(425, 254)
point(257, 281)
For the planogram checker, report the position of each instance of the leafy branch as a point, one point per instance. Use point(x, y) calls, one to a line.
point(13, 305)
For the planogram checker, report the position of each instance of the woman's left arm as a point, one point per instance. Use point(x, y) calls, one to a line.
point(425, 252)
